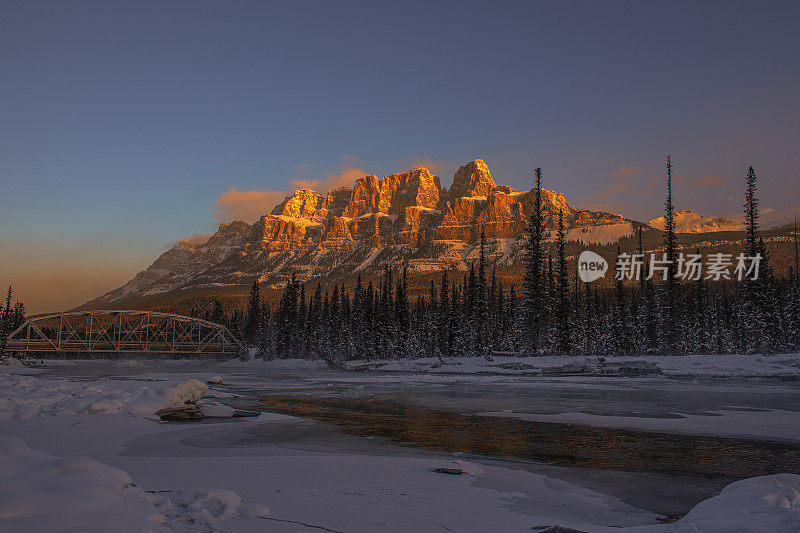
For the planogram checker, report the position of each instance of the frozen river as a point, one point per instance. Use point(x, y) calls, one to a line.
point(758, 409)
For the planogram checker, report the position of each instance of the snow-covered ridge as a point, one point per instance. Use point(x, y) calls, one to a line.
point(687, 221)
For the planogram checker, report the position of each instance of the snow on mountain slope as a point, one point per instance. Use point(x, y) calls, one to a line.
point(687, 221)
point(602, 234)
point(403, 219)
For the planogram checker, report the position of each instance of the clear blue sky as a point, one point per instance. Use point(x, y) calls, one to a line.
point(121, 123)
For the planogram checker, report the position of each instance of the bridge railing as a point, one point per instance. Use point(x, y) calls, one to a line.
point(122, 331)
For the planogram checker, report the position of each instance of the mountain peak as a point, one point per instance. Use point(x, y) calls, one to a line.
point(404, 218)
point(472, 179)
point(687, 221)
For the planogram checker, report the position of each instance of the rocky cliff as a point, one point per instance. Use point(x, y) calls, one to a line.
point(405, 219)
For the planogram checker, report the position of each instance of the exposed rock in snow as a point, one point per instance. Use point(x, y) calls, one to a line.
point(460, 468)
point(106, 405)
point(184, 413)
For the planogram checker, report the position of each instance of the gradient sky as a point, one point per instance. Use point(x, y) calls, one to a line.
point(124, 124)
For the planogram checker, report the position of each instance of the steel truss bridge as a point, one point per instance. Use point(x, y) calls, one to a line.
point(122, 332)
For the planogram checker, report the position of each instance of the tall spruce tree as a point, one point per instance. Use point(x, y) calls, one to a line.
point(753, 313)
point(562, 283)
point(669, 322)
point(751, 214)
point(534, 283)
point(253, 315)
point(481, 303)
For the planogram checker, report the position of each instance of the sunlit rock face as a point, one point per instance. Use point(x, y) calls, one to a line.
point(473, 179)
point(403, 219)
point(365, 198)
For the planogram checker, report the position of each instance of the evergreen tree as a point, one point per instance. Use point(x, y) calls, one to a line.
point(751, 214)
point(287, 325)
point(313, 322)
point(668, 286)
point(755, 294)
point(369, 339)
point(217, 313)
point(358, 318)
point(562, 282)
point(446, 336)
point(5, 322)
point(534, 282)
point(253, 316)
point(619, 318)
point(334, 319)
point(265, 340)
point(513, 342)
point(481, 303)
point(796, 253)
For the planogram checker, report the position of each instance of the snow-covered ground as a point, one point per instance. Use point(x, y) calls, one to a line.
point(717, 366)
point(83, 450)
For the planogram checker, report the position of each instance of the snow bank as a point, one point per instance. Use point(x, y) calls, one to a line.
point(206, 510)
point(187, 392)
point(305, 364)
point(40, 492)
point(25, 397)
point(711, 366)
point(767, 503)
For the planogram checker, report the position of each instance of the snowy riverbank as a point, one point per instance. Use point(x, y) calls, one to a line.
point(89, 453)
point(706, 366)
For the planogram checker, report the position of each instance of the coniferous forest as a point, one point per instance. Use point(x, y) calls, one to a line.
point(11, 317)
point(552, 313)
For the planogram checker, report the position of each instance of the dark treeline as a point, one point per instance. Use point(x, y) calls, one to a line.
point(474, 314)
point(12, 316)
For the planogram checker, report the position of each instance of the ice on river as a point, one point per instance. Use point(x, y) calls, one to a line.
point(87, 452)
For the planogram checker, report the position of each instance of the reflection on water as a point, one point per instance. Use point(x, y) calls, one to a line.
point(557, 444)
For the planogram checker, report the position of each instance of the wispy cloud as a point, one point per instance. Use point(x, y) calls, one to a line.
point(345, 178)
point(694, 183)
point(439, 168)
point(250, 205)
point(191, 242)
point(625, 172)
point(628, 190)
point(245, 205)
